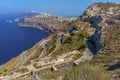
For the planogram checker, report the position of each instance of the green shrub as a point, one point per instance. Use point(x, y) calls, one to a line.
point(82, 47)
point(68, 40)
point(52, 48)
point(81, 37)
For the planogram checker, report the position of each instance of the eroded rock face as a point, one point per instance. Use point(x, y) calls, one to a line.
point(101, 16)
point(46, 22)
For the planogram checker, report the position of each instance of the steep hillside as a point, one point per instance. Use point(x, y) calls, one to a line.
point(78, 43)
point(105, 18)
point(60, 50)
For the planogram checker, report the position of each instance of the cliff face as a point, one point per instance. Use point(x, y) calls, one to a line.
point(103, 17)
point(46, 22)
point(96, 31)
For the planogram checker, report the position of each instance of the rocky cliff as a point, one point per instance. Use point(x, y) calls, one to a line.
point(46, 22)
point(105, 18)
point(96, 31)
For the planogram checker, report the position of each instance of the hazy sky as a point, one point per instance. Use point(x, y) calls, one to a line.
point(57, 7)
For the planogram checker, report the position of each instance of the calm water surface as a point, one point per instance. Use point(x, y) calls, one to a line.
point(15, 39)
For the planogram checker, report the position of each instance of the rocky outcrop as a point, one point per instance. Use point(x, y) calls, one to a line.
point(101, 16)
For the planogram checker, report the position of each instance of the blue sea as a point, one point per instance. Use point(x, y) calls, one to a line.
point(15, 39)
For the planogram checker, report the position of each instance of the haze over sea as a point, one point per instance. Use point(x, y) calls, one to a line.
point(15, 39)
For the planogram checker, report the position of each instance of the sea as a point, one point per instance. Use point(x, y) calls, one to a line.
point(15, 39)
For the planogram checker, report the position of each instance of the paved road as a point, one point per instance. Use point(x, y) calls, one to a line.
point(59, 41)
point(34, 53)
point(58, 44)
point(87, 55)
point(23, 56)
point(44, 46)
point(35, 76)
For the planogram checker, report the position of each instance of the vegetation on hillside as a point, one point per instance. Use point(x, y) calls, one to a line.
point(111, 41)
point(86, 71)
point(76, 41)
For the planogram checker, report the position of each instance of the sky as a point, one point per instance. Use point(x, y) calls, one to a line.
point(56, 7)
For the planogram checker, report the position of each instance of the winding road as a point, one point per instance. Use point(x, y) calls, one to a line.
point(59, 43)
point(34, 53)
point(87, 55)
point(44, 46)
point(23, 56)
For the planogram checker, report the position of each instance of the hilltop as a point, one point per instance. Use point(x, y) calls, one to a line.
point(90, 42)
point(105, 18)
